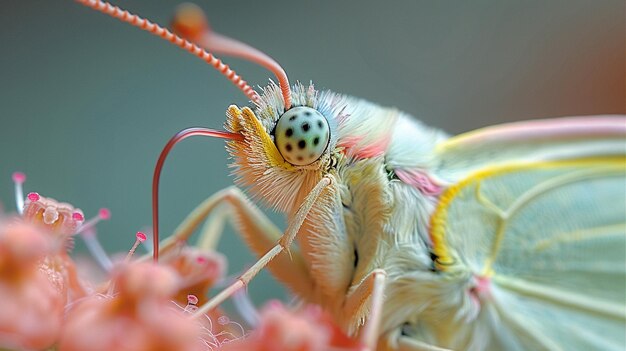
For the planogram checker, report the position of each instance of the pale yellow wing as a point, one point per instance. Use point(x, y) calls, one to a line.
point(541, 220)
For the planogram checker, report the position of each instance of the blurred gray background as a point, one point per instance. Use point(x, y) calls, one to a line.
point(87, 102)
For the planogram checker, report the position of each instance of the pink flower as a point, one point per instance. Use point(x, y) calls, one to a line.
point(138, 316)
point(58, 217)
point(144, 306)
point(307, 329)
point(31, 307)
point(59, 221)
point(200, 270)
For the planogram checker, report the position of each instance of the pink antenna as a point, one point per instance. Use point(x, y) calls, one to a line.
point(159, 31)
point(183, 134)
point(190, 22)
point(193, 24)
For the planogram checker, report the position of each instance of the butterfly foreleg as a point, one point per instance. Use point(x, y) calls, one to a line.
point(283, 244)
point(258, 231)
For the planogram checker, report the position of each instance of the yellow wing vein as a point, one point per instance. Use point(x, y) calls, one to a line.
point(582, 234)
point(527, 197)
point(438, 224)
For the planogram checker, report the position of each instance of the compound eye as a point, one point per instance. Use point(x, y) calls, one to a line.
point(302, 135)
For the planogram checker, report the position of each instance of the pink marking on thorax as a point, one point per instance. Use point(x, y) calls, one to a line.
point(373, 149)
point(419, 180)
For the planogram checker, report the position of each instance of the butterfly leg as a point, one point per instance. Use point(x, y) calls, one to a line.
point(368, 295)
point(283, 244)
point(251, 223)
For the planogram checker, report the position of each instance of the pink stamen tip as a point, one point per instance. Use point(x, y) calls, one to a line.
point(33, 197)
point(105, 214)
point(201, 260)
point(19, 177)
point(192, 299)
point(78, 217)
point(141, 237)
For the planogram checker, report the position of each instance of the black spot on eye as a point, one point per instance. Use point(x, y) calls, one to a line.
point(293, 118)
point(320, 124)
point(307, 113)
point(289, 132)
point(316, 141)
point(305, 127)
point(288, 147)
point(302, 144)
point(300, 158)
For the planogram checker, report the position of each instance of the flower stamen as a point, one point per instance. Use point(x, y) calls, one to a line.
point(103, 215)
point(96, 250)
point(18, 179)
point(139, 238)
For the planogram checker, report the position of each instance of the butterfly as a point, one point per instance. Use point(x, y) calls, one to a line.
point(509, 237)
